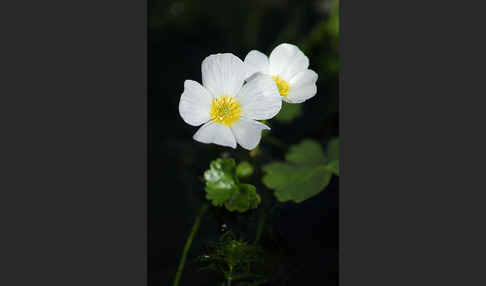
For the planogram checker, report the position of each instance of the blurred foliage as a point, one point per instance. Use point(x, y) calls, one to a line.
point(325, 37)
point(306, 172)
point(223, 186)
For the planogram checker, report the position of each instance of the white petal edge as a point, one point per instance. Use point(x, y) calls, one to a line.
point(286, 60)
point(302, 93)
point(248, 132)
point(303, 78)
point(195, 103)
point(256, 61)
point(302, 86)
point(216, 133)
point(223, 74)
point(259, 98)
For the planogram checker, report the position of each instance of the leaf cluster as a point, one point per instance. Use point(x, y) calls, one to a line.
point(224, 188)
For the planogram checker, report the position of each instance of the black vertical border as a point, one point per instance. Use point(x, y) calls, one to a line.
point(73, 152)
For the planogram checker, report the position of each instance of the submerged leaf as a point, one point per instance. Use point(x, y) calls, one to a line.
point(234, 258)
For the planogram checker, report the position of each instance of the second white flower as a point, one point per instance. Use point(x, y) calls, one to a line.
point(288, 66)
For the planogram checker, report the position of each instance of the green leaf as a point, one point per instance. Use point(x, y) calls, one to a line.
point(244, 169)
point(220, 182)
point(221, 172)
point(222, 186)
point(306, 172)
point(219, 195)
point(244, 199)
point(288, 112)
point(219, 167)
point(306, 152)
point(333, 149)
point(296, 182)
point(253, 196)
point(333, 167)
point(333, 155)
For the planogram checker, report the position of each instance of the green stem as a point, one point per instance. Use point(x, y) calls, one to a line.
point(195, 227)
point(261, 223)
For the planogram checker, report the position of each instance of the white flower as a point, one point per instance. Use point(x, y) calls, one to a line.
point(289, 68)
point(227, 108)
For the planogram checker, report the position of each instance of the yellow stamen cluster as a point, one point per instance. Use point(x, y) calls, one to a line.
point(225, 110)
point(283, 86)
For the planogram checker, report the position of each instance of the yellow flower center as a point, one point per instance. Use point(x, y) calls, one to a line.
point(283, 86)
point(225, 109)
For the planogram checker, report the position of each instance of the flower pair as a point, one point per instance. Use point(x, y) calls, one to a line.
point(229, 108)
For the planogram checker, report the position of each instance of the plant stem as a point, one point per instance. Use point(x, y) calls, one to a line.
point(261, 223)
point(195, 227)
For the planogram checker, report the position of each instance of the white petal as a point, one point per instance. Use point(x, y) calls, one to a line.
point(302, 86)
point(302, 93)
point(195, 103)
point(256, 61)
point(216, 133)
point(287, 60)
point(223, 74)
point(259, 98)
point(248, 132)
point(305, 77)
